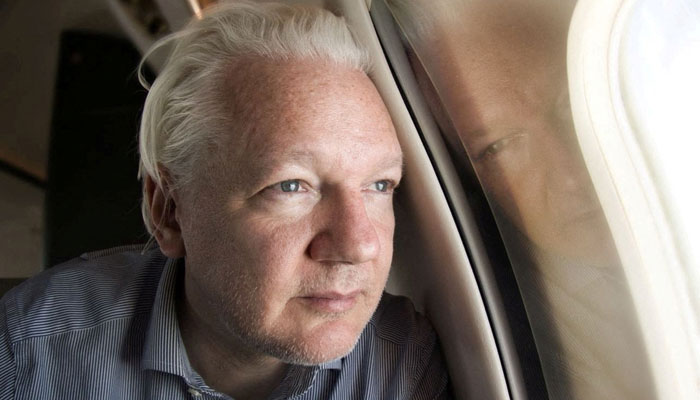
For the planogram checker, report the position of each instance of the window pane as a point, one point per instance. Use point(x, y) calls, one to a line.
point(495, 76)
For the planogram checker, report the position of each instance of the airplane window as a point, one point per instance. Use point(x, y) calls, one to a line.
point(494, 74)
point(660, 60)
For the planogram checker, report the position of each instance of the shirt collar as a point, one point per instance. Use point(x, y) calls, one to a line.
point(335, 364)
point(164, 350)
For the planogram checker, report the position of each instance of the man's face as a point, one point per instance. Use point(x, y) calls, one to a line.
point(505, 91)
point(288, 233)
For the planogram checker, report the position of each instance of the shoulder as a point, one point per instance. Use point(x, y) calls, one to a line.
point(396, 321)
point(398, 354)
point(83, 292)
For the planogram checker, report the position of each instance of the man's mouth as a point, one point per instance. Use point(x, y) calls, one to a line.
point(331, 302)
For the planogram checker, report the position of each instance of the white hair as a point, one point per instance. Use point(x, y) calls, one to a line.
point(183, 116)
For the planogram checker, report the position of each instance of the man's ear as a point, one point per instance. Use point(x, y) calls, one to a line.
point(166, 228)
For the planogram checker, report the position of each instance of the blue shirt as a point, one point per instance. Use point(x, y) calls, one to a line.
point(104, 327)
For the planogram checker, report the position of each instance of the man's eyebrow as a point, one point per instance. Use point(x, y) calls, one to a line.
point(477, 133)
point(270, 162)
point(394, 162)
point(267, 163)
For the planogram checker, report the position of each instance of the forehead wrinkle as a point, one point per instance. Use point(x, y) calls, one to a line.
point(256, 95)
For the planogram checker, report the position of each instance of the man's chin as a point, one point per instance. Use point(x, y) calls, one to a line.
point(322, 345)
point(307, 359)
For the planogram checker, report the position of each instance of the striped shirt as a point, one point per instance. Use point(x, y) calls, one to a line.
point(104, 327)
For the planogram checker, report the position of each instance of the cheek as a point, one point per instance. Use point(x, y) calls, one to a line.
point(520, 191)
point(380, 210)
point(273, 250)
point(384, 225)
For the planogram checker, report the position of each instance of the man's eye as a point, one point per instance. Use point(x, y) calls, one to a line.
point(290, 190)
point(290, 186)
point(496, 147)
point(383, 186)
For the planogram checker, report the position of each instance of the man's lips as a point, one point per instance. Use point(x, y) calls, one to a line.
point(331, 302)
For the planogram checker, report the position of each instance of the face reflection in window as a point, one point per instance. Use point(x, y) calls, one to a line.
point(501, 75)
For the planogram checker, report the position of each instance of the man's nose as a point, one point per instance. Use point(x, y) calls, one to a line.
point(346, 233)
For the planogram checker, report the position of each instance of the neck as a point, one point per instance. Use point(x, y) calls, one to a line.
point(225, 364)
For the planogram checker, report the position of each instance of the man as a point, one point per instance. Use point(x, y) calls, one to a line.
point(269, 163)
point(500, 67)
point(495, 74)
